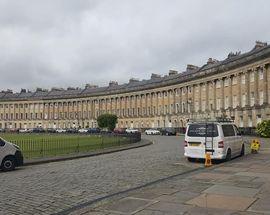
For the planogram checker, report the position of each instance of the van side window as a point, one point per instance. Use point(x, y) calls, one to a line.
point(237, 131)
point(2, 142)
point(228, 130)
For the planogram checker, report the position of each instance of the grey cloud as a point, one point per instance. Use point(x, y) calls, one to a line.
point(70, 43)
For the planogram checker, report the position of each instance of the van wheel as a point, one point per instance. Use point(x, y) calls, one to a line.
point(229, 155)
point(191, 159)
point(242, 150)
point(8, 164)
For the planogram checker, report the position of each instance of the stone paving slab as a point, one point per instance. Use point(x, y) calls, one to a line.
point(230, 169)
point(221, 202)
point(167, 207)
point(128, 205)
point(145, 195)
point(261, 206)
point(255, 174)
point(179, 197)
point(232, 191)
point(210, 176)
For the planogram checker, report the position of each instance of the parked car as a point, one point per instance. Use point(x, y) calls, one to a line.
point(94, 130)
point(119, 131)
point(10, 155)
point(71, 130)
point(131, 130)
point(168, 131)
point(51, 130)
point(2, 130)
point(38, 130)
point(60, 130)
point(23, 130)
point(83, 130)
point(221, 139)
point(152, 131)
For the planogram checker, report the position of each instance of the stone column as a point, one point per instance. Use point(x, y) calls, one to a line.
point(231, 93)
point(214, 95)
point(180, 100)
point(200, 97)
point(157, 106)
point(174, 101)
point(207, 96)
point(169, 101)
point(187, 105)
point(141, 106)
point(247, 87)
point(146, 103)
point(265, 84)
point(193, 97)
point(239, 90)
point(222, 93)
point(256, 93)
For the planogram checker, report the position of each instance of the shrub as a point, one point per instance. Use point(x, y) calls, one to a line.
point(263, 128)
point(107, 121)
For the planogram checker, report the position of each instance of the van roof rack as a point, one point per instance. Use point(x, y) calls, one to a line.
point(207, 120)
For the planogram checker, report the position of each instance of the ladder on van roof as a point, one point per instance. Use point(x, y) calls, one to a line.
point(209, 144)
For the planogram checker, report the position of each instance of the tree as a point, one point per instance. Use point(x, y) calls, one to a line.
point(107, 121)
point(263, 128)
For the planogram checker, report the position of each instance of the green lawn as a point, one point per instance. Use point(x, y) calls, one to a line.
point(48, 145)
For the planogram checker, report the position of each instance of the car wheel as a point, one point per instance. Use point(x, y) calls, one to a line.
point(242, 150)
point(229, 155)
point(167, 134)
point(8, 164)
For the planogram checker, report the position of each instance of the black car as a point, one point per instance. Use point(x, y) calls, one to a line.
point(168, 131)
point(94, 130)
point(71, 130)
point(38, 130)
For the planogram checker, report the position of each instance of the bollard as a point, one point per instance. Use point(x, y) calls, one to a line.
point(255, 146)
point(208, 161)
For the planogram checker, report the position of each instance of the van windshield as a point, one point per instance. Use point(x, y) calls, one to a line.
point(199, 130)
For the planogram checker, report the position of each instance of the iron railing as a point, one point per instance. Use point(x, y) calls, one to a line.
point(51, 145)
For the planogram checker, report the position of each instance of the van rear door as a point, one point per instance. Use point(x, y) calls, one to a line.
point(200, 136)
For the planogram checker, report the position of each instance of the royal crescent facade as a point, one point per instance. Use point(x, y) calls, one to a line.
point(237, 87)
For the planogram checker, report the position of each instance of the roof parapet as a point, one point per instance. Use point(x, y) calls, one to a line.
point(113, 83)
point(211, 61)
point(57, 89)
point(90, 86)
point(172, 72)
point(259, 44)
point(7, 91)
point(233, 54)
point(191, 67)
point(133, 80)
point(154, 75)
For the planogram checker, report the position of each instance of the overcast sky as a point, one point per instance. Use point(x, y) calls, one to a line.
point(60, 43)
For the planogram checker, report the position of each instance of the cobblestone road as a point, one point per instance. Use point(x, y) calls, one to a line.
point(54, 187)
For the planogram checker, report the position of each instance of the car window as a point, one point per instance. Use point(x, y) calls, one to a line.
point(228, 130)
point(202, 130)
point(2, 142)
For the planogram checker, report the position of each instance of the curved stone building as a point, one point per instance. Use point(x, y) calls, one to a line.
point(237, 87)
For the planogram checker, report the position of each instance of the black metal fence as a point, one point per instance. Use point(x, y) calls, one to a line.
point(50, 145)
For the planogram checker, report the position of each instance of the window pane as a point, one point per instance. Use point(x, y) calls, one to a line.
point(228, 130)
point(199, 130)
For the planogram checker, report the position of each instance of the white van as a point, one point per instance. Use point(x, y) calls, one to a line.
point(221, 139)
point(10, 155)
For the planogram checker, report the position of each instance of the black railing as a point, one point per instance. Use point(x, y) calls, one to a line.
point(51, 145)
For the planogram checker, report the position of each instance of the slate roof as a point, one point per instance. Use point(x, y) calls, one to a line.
point(211, 68)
